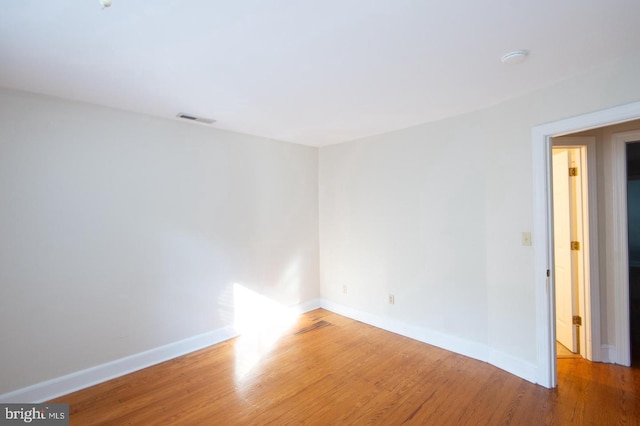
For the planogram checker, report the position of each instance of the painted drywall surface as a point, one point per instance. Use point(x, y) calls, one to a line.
point(435, 214)
point(121, 233)
point(385, 226)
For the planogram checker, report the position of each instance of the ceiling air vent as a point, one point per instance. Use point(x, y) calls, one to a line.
point(192, 117)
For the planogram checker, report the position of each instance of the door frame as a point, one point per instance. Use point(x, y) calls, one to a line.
point(588, 263)
point(547, 374)
point(619, 258)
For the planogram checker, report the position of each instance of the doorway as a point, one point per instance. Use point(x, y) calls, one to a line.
point(542, 234)
point(633, 224)
point(571, 224)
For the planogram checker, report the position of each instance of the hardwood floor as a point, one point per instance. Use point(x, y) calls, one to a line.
point(563, 352)
point(330, 370)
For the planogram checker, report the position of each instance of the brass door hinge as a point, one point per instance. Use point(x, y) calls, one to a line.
point(575, 245)
point(577, 320)
point(573, 171)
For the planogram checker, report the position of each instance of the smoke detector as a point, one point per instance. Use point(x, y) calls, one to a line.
point(515, 57)
point(105, 3)
point(192, 117)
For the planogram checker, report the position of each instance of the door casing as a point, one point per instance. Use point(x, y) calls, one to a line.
point(618, 260)
point(541, 137)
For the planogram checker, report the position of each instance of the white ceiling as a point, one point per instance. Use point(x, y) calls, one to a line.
point(306, 71)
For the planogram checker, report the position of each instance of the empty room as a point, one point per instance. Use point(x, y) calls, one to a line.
point(336, 212)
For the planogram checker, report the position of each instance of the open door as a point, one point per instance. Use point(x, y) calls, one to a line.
point(566, 300)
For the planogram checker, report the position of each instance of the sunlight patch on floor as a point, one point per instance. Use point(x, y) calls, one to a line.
point(260, 322)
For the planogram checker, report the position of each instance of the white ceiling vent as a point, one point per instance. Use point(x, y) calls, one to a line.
point(192, 117)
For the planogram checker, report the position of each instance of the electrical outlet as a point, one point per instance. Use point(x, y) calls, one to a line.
point(392, 299)
point(344, 289)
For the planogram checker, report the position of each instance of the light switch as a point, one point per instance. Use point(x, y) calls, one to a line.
point(526, 238)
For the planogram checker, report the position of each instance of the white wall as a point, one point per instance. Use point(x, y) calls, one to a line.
point(434, 214)
point(120, 232)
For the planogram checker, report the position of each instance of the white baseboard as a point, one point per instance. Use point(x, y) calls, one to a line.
point(53, 388)
point(63, 385)
point(450, 343)
point(308, 306)
point(516, 366)
point(609, 354)
point(479, 351)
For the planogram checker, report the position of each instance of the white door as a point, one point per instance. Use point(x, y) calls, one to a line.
point(565, 297)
